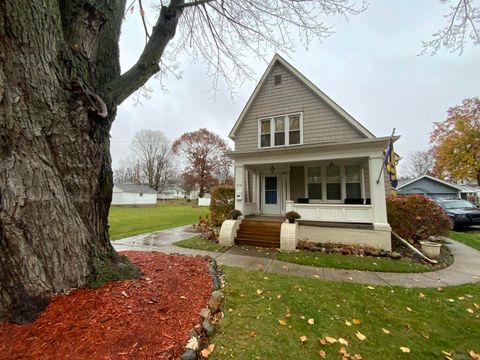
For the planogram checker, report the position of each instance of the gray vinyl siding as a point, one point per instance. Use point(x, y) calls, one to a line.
point(297, 182)
point(320, 122)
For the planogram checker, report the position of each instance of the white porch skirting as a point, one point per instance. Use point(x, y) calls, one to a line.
point(333, 212)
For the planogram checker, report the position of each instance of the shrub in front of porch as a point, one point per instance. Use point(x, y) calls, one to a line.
point(221, 204)
point(415, 218)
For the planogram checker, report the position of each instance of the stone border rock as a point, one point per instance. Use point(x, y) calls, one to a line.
point(211, 315)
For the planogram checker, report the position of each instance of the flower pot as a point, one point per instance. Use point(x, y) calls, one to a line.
point(431, 249)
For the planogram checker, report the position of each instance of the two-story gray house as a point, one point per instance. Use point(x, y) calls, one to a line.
point(296, 149)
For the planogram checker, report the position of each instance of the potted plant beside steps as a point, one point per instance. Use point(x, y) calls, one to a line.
point(289, 231)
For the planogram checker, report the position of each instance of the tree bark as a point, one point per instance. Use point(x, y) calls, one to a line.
point(55, 166)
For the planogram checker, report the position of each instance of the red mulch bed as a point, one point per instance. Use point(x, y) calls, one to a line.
point(146, 318)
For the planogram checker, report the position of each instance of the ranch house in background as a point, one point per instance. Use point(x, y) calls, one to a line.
point(297, 150)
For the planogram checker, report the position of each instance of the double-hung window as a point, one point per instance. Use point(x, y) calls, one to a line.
point(333, 183)
point(265, 138)
point(281, 130)
point(352, 182)
point(294, 129)
point(314, 182)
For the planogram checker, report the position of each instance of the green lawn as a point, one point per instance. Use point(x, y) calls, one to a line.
point(427, 321)
point(128, 221)
point(338, 261)
point(468, 237)
point(200, 244)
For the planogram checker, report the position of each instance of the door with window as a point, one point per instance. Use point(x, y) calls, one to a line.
point(271, 195)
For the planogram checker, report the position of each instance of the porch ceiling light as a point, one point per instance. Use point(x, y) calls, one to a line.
point(272, 169)
point(331, 164)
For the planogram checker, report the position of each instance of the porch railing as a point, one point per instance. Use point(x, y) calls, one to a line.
point(332, 212)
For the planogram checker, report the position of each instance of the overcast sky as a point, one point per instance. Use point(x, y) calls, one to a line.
point(370, 67)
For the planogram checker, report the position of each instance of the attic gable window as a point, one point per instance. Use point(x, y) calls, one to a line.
point(277, 79)
point(282, 130)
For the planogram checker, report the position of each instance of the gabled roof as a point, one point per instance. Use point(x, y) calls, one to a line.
point(407, 182)
point(133, 188)
point(306, 82)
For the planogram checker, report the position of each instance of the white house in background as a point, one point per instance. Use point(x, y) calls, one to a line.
point(133, 195)
point(297, 150)
point(172, 192)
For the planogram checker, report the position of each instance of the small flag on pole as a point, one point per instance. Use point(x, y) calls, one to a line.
point(390, 163)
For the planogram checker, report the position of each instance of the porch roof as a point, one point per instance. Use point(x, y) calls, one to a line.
point(379, 143)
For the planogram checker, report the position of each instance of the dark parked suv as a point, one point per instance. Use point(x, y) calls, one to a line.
point(462, 212)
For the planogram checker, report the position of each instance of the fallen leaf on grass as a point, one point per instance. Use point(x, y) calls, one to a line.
point(370, 287)
point(386, 331)
point(330, 339)
point(470, 311)
point(356, 321)
point(207, 351)
point(311, 321)
point(303, 338)
point(323, 341)
point(259, 292)
point(343, 341)
point(426, 336)
point(451, 300)
point(439, 289)
point(448, 355)
point(408, 308)
point(322, 354)
point(461, 298)
point(344, 352)
point(348, 323)
point(421, 295)
point(279, 296)
point(405, 349)
point(474, 355)
point(357, 357)
point(360, 336)
point(253, 334)
point(476, 306)
point(282, 322)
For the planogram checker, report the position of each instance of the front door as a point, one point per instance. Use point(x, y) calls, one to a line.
point(271, 195)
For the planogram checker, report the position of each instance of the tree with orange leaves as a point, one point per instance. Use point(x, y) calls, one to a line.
point(456, 142)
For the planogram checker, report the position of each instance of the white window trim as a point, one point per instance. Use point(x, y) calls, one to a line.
point(343, 181)
point(272, 130)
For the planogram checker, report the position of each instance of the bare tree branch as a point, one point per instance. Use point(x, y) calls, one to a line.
point(463, 23)
point(218, 33)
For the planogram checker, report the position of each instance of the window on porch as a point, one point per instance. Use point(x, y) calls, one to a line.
point(333, 183)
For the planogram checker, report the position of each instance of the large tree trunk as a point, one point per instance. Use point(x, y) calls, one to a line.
point(55, 171)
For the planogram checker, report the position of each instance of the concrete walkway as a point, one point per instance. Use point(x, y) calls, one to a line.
point(464, 270)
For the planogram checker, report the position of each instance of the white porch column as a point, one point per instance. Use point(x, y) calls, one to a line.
point(239, 193)
point(377, 194)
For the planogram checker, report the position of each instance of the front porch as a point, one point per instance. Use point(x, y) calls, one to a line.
point(335, 192)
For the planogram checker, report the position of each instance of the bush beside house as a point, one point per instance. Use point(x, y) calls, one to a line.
point(415, 218)
point(222, 203)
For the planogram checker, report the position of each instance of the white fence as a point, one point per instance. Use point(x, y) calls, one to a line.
point(203, 201)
